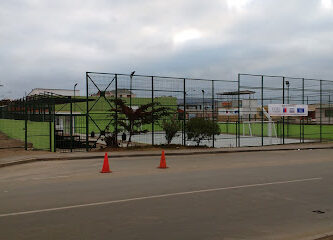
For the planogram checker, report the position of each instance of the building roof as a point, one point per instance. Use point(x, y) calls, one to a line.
point(120, 90)
point(66, 92)
point(244, 92)
point(52, 99)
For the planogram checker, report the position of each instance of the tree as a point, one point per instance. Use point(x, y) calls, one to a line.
point(171, 127)
point(199, 129)
point(131, 120)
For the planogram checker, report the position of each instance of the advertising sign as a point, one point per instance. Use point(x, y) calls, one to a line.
point(288, 110)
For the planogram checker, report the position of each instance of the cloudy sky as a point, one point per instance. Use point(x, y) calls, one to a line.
point(51, 44)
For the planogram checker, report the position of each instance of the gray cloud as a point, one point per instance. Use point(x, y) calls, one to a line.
point(53, 43)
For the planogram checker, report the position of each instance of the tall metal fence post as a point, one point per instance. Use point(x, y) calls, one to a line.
point(329, 107)
point(283, 82)
point(213, 110)
point(303, 101)
point(71, 123)
point(53, 109)
point(152, 100)
point(184, 117)
point(87, 113)
point(262, 111)
point(25, 124)
point(50, 126)
point(116, 96)
point(239, 115)
point(321, 111)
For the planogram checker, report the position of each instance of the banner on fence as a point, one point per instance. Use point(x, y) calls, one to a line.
point(288, 110)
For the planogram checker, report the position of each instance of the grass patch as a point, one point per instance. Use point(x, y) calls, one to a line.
point(38, 132)
point(311, 131)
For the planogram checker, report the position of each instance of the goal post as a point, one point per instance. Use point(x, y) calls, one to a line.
point(253, 128)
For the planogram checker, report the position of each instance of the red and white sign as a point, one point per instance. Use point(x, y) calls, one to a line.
point(288, 110)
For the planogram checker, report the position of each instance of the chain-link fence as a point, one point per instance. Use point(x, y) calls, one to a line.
point(257, 124)
point(30, 121)
point(44, 122)
point(107, 115)
point(186, 98)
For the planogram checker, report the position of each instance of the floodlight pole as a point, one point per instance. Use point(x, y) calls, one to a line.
point(131, 79)
point(288, 85)
point(203, 103)
point(74, 89)
point(74, 94)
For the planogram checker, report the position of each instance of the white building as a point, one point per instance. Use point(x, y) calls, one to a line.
point(63, 92)
point(228, 105)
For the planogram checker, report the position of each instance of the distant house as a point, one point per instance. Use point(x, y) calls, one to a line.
point(237, 103)
point(324, 114)
point(4, 102)
point(121, 93)
point(62, 92)
point(195, 107)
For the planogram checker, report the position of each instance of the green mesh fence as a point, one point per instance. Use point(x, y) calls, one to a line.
point(38, 133)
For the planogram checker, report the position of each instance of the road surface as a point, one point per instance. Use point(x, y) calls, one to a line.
point(259, 195)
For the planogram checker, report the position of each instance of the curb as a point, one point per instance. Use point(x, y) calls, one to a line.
point(19, 162)
point(31, 160)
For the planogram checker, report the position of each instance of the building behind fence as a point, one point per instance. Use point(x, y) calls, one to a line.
point(240, 108)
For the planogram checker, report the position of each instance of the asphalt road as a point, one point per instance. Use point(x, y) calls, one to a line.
point(267, 195)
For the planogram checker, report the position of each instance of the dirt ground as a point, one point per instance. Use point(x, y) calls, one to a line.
point(14, 147)
point(6, 142)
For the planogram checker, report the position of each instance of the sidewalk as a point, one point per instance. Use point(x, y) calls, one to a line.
point(34, 156)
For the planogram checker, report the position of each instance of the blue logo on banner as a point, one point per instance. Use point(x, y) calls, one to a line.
point(300, 110)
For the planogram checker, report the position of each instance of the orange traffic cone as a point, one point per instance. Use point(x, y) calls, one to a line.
point(106, 167)
point(163, 162)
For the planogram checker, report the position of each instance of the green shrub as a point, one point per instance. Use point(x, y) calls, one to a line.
point(171, 127)
point(199, 129)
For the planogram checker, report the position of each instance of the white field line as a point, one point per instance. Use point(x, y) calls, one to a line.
point(157, 196)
